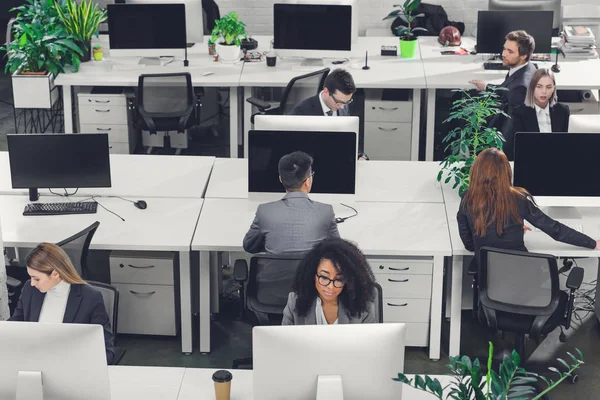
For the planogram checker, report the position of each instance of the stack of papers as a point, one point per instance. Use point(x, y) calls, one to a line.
point(578, 42)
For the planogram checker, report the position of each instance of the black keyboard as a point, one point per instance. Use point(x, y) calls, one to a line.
point(495, 66)
point(60, 208)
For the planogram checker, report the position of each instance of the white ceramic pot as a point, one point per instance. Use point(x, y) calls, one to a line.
point(34, 91)
point(228, 54)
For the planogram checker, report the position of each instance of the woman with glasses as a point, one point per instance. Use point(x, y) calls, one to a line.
point(334, 284)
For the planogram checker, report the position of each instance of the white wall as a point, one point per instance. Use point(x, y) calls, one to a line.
point(258, 14)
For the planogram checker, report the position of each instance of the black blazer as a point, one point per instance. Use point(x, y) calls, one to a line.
point(312, 106)
point(84, 306)
point(525, 118)
point(513, 233)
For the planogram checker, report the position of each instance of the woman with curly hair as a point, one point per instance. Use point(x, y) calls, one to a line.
point(334, 284)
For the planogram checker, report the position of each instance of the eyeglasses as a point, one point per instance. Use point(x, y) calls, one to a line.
point(310, 176)
point(325, 281)
point(339, 102)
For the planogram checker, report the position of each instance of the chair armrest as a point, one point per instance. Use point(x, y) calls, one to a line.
point(258, 103)
point(12, 282)
point(575, 278)
point(240, 270)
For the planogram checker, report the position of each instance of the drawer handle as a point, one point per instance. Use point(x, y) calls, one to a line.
point(95, 109)
point(397, 305)
point(104, 130)
point(398, 280)
point(144, 267)
point(388, 108)
point(387, 129)
point(101, 101)
point(399, 269)
point(141, 294)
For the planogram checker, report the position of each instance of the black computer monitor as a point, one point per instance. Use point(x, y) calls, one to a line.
point(58, 161)
point(312, 28)
point(558, 164)
point(146, 30)
point(492, 27)
point(334, 159)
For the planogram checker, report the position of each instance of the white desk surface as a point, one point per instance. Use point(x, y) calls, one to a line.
point(139, 177)
point(381, 181)
point(167, 224)
point(392, 229)
point(148, 383)
point(384, 72)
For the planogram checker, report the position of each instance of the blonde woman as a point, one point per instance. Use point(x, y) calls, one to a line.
point(57, 294)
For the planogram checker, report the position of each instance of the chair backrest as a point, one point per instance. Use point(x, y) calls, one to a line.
point(379, 302)
point(77, 247)
point(211, 13)
point(165, 95)
point(110, 295)
point(302, 87)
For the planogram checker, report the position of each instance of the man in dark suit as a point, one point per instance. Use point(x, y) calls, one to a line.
point(518, 48)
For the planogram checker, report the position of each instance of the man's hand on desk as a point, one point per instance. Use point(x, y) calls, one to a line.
point(480, 84)
point(597, 245)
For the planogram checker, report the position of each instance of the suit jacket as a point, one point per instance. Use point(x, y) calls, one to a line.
point(291, 317)
point(512, 98)
point(312, 106)
point(525, 118)
point(290, 225)
point(84, 306)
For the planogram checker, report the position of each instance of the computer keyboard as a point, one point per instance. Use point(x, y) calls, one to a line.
point(495, 66)
point(128, 67)
point(60, 208)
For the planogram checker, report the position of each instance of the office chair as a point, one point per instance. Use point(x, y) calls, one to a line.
point(519, 292)
point(110, 295)
point(77, 247)
point(298, 89)
point(165, 102)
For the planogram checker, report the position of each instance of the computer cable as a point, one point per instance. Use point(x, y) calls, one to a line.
point(339, 220)
point(67, 194)
point(94, 198)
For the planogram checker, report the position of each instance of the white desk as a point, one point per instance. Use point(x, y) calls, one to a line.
point(385, 73)
point(382, 181)
point(138, 177)
point(380, 229)
point(167, 224)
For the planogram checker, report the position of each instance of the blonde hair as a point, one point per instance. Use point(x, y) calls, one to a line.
point(539, 74)
point(48, 257)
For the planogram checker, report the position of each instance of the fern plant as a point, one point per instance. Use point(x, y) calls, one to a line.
point(510, 382)
point(81, 19)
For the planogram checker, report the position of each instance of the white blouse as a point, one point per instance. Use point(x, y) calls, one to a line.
point(55, 303)
point(543, 117)
point(320, 314)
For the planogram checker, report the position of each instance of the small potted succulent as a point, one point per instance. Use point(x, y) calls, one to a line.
point(98, 52)
point(408, 39)
point(227, 36)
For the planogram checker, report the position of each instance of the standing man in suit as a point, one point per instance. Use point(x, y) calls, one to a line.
point(295, 223)
point(518, 48)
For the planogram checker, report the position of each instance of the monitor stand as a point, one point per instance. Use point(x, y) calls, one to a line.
point(312, 62)
point(150, 61)
point(329, 387)
point(33, 194)
point(29, 386)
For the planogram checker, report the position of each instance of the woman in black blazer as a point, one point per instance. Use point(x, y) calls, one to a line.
point(492, 211)
point(56, 293)
point(541, 111)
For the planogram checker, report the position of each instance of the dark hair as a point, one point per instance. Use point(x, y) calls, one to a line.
point(350, 262)
point(294, 169)
point(524, 40)
point(341, 80)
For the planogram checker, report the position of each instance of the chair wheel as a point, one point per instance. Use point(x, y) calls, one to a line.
point(574, 378)
point(562, 337)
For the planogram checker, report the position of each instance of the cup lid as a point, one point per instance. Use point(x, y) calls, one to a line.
point(222, 375)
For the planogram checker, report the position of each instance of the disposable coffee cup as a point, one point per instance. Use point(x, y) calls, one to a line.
point(271, 60)
point(222, 379)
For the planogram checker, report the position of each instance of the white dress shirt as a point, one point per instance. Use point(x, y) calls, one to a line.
point(55, 303)
point(320, 314)
point(543, 118)
point(515, 69)
point(324, 106)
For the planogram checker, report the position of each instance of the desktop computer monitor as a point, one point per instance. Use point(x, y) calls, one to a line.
point(194, 16)
point(58, 161)
point(293, 362)
point(147, 30)
point(333, 153)
point(492, 27)
point(64, 361)
point(312, 30)
point(530, 5)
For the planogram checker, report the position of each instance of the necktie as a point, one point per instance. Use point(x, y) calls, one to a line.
point(507, 75)
point(330, 113)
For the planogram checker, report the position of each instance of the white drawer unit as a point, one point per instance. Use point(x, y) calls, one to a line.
point(417, 334)
point(146, 292)
point(100, 115)
point(402, 266)
point(388, 111)
point(403, 285)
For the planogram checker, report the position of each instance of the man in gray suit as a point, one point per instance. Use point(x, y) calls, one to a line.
point(295, 223)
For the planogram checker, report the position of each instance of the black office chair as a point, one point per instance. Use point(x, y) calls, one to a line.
point(519, 292)
point(298, 89)
point(166, 102)
point(110, 295)
point(77, 248)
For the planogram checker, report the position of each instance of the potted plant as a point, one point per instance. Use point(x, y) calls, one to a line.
point(408, 40)
point(510, 382)
point(98, 52)
point(227, 36)
point(82, 21)
point(472, 137)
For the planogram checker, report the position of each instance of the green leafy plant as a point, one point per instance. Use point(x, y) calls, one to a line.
point(510, 382)
point(405, 12)
point(229, 29)
point(41, 42)
point(467, 141)
point(81, 19)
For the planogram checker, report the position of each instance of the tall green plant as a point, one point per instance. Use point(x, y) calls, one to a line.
point(230, 29)
point(405, 12)
point(472, 137)
point(81, 19)
point(510, 382)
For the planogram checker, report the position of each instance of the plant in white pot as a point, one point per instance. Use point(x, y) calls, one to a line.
point(81, 19)
point(227, 35)
point(408, 39)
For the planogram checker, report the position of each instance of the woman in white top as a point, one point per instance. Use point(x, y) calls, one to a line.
point(57, 294)
point(334, 284)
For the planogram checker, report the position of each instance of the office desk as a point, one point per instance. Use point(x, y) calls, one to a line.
point(138, 177)
point(455, 72)
point(381, 181)
point(100, 73)
point(381, 230)
point(168, 224)
point(384, 73)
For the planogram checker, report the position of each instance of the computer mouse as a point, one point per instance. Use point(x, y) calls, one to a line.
point(141, 204)
point(207, 73)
